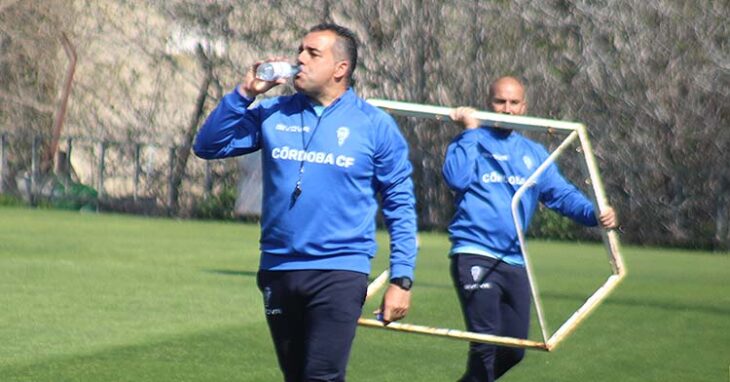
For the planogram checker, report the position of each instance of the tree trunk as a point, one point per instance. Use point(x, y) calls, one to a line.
point(184, 152)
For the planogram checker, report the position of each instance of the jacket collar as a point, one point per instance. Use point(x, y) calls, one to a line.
point(345, 98)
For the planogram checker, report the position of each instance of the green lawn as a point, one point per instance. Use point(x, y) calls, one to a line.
point(96, 297)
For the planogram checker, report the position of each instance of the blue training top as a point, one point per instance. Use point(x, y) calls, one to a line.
point(344, 155)
point(485, 167)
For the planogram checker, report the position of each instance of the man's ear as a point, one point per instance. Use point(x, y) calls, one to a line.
point(341, 69)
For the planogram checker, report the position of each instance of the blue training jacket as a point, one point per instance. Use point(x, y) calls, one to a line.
point(348, 154)
point(486, 167)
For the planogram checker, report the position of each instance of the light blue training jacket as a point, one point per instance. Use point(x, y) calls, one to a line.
point(485, 167)
point(348, 153)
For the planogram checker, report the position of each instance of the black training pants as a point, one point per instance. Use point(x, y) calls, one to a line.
point(312, 316)
point(495, 299)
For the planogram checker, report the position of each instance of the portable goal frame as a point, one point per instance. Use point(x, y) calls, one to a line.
point(574, 131)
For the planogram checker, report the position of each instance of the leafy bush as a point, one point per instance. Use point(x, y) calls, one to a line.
point(548, 224)
point(217, 206)
point(7, 200)
point(76, 196)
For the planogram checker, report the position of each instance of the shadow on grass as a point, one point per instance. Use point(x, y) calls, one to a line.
point(635, 302)
point(228, 354)
point(231, 272)
point(632, 302)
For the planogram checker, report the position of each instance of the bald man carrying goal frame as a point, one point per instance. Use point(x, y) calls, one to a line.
point(485, 166)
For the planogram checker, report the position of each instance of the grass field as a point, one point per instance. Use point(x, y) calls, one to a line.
point(96, 297)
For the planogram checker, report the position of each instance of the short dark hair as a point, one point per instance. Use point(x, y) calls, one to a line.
point(347, 42)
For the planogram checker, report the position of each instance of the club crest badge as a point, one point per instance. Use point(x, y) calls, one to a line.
point(342, 134)
point(528, 162)
point(476, 272)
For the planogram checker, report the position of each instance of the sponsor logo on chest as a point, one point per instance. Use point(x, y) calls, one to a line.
point(292, 129)
point(513, 179)
point(495, 177)
point(320, 157)
point(287, 153)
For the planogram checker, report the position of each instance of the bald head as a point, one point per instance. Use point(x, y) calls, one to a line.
point(507, 96)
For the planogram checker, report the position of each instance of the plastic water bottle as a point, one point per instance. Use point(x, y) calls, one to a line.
point(272, 71)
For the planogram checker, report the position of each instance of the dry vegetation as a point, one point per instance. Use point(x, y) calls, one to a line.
point(651, 80)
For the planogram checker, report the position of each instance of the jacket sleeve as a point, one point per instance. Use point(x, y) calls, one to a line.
point(230, 130)
point(461, 157)
point(559, 195)
point(393, 179)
